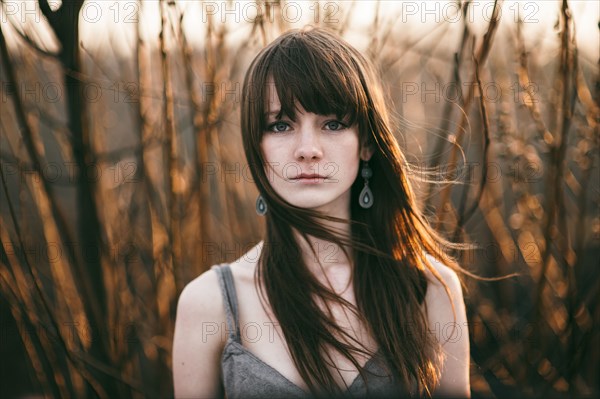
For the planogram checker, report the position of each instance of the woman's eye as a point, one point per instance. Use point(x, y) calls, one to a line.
point(278, 127)
point(334, 125)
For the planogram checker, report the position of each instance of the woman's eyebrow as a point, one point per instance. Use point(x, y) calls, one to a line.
point(276, 114)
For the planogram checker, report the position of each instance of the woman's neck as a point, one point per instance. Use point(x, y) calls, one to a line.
point(326, 259)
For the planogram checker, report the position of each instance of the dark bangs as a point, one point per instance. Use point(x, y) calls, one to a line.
point(322, 77)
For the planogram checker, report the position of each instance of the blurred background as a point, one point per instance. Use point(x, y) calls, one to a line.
point(123, 176)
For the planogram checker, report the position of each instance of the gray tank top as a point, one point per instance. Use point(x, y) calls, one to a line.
point(247, 376)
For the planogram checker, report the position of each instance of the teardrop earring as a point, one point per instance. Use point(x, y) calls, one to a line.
point(365, 199)
point(261, 205)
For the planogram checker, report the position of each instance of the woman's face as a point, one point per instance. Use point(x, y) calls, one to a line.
point(320, 147)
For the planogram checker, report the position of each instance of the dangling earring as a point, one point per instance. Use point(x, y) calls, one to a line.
point(261, 205)
point(365, 199)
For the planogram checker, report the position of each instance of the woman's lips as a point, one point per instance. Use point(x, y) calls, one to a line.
point(305, 178)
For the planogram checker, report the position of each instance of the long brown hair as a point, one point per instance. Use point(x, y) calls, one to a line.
point(389, 241)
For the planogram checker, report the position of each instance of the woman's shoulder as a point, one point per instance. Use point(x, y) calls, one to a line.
point(447, 319)
point(447, 275)
point(197, 341)
point(203, 294)
point(201, 298)
point(444, 291)
point(206, 286)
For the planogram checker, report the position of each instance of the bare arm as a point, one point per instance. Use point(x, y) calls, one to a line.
point(452, 333)
point(197, 344)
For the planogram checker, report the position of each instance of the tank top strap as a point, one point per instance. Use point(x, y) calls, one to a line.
point(229, 299)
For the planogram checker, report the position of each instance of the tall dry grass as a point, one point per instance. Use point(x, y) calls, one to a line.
point(111, 204)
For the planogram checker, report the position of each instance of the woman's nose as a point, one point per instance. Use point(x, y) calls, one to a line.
point(308, 145)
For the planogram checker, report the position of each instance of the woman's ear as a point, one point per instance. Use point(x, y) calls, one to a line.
point(366, 152)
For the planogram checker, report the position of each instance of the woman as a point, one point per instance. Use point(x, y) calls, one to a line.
point(350, 293)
